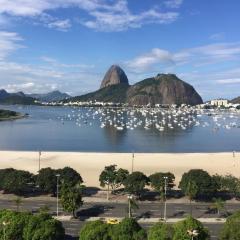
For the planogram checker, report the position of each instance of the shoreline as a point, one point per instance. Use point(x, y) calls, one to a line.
point(13, 118)
point(90, 165)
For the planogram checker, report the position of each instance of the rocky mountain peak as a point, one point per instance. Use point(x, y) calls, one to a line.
point(115, 75)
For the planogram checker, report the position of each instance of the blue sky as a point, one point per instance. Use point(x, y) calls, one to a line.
point(69, 44)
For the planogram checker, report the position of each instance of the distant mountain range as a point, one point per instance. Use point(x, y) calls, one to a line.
point(29, 99)
point(162, 89)
point(54, 96)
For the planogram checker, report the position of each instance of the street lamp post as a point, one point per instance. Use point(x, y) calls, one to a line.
point(132, 160)
point(39, 160)
point(130, 197)
point(165, 203)
point(57, 175)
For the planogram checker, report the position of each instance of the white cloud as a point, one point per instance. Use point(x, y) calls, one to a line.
point(102, 15)
point(111, 21)
point(196, 57)
point(62, 25)
point(50, 75)
point(146, 61)
point(9, 42)
point(30, 87)
point(173, 3)
point(229, 81)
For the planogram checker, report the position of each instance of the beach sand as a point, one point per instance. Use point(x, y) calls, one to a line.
point(90, 165)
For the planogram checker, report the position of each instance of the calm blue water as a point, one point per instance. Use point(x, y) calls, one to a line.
point(78, 129)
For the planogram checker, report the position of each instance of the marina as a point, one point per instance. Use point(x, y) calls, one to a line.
point(104, 129)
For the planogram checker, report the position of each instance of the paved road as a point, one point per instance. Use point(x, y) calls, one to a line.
point(146, 210)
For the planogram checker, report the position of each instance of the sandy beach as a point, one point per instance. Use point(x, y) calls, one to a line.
point(90, 165)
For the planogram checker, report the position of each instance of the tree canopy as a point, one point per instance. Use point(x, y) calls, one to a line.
point(183, 229)
point(128, 229)
point(71, 198)
point(231, 229)
point(160, 231)
point(25, 226)
point(47, 180)
point(15, 181)
point(43, 227)
point(135, 183)
point(205, 184)
point(157, 181)
point(96, 230)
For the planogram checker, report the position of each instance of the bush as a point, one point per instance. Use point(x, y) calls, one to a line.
point(181, 229)
point(231, 229)
point(128, 229)
point(160, 231)
point(205, 184)
point(96, 230)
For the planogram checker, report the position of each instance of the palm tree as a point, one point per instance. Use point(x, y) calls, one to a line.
point(218, 204)
point(18, 201)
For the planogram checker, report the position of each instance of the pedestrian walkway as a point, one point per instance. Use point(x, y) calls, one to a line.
point(149, 220)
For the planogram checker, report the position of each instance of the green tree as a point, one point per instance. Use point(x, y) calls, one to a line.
point(71, 198)
point(108, 178)
point(47, 181)
point(43, 227)
point(13, 224)
point(231, 229)
point(95, 230)
point(191, 192)
point(128, 229)
point(16, 181)
point(135, 183)
point(3, 174)
point(121, 176)
point(227, 183)
point(160, 231)
point(218, 205)
point(157, 182)
point(183, 228)
point(69, 176)
point(205, 183)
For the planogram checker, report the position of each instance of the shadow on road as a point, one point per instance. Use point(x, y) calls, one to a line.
point(68, 237)
point(94, 211)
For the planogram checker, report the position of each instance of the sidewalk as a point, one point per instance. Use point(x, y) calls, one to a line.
point(147, 220)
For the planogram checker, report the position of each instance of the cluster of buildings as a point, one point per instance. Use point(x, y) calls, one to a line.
point(216, 103)
point(220, 103)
